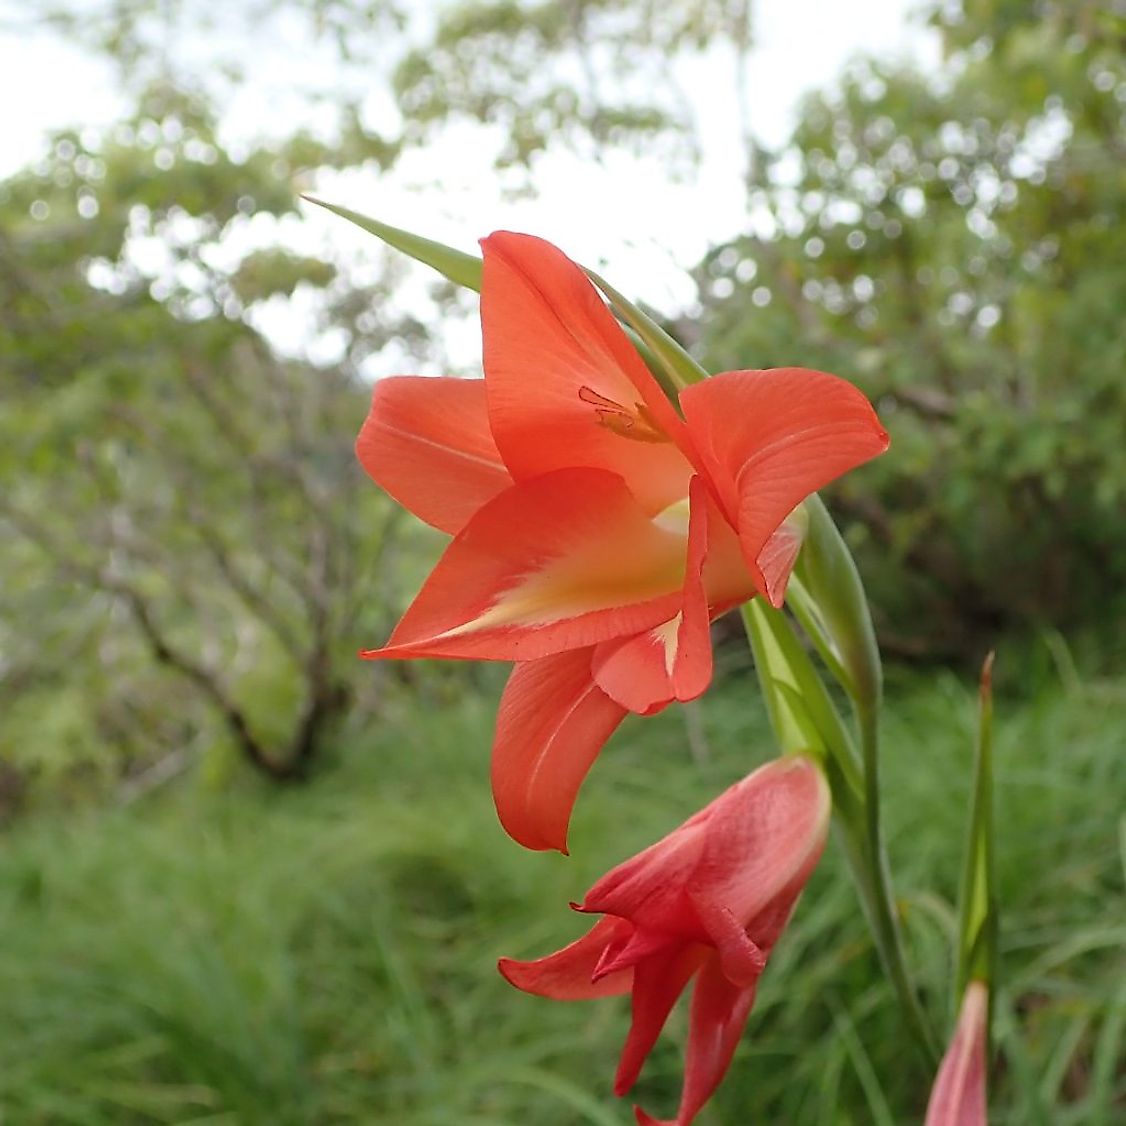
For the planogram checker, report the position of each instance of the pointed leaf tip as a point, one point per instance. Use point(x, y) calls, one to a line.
point(987, 674)
point(455, 265)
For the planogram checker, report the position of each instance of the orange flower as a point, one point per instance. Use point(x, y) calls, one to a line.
point(596, 531)
point(708, 902)
point(958, 1096)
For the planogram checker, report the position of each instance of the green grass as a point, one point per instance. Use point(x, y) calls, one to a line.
point(326, 955)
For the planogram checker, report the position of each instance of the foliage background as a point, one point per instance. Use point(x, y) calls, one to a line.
point(190, 559)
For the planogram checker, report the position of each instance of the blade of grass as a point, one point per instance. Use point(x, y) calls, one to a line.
point(865, 1072)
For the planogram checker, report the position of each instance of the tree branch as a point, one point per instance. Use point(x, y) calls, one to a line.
point(166, 653)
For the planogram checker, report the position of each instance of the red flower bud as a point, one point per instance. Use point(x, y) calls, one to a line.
point(958, 1096)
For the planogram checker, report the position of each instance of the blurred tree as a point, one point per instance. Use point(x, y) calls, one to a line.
point(530, 75)
point(187, 540)
point(212, 51)
point(955, 243)
point(591, 74)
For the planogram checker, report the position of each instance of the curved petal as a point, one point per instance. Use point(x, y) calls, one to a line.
point(427, 442)
point(640, 944)
point(779, 554)
point(552, 722)
point(740, 957)
point(651, 888)
point(958, 1095)
point(716, 1022)
point(674, 660)
point(748, 852)
point(565, 385)
point(657, 983)
point(770, 438)
point(559, 562)
point(636, 672)
point(763, 838)
point(566, 974)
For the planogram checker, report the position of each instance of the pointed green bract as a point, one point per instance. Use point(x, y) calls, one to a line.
point(977, 915)
point(801, 711)
point(460, 268)
point(676, 364)
point(812, 621)
point(667, 360)
point(829, 601)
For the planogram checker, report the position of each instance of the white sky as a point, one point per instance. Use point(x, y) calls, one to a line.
point(626, 216)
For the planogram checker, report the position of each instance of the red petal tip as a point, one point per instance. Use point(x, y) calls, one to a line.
point(502, 969)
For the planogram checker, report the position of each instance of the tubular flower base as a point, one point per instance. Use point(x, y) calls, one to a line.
point(958, 1097)
point(596, 530)
point(708, 902)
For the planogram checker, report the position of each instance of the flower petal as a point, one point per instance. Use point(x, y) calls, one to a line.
point(565, 385)
point(958, 1096)
point(551, 724)
point(640, 944)
point(673, 661)
point(650, 889)
point(657, 983)
point(778, 555)
point(740, 957)
point(566, 974)
point(718, 1016)
point(427, 442)
point(775, 823)
point(747, 852)
point(770, 438)
point(635, 671)
point(559, 562)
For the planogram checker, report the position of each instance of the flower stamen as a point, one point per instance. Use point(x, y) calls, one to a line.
point(637, 424)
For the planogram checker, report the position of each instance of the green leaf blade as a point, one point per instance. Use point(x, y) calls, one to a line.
point(458, 267)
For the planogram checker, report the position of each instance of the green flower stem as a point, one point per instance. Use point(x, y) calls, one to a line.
point(805, 721)
point(874, 881)
point(827, 597)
